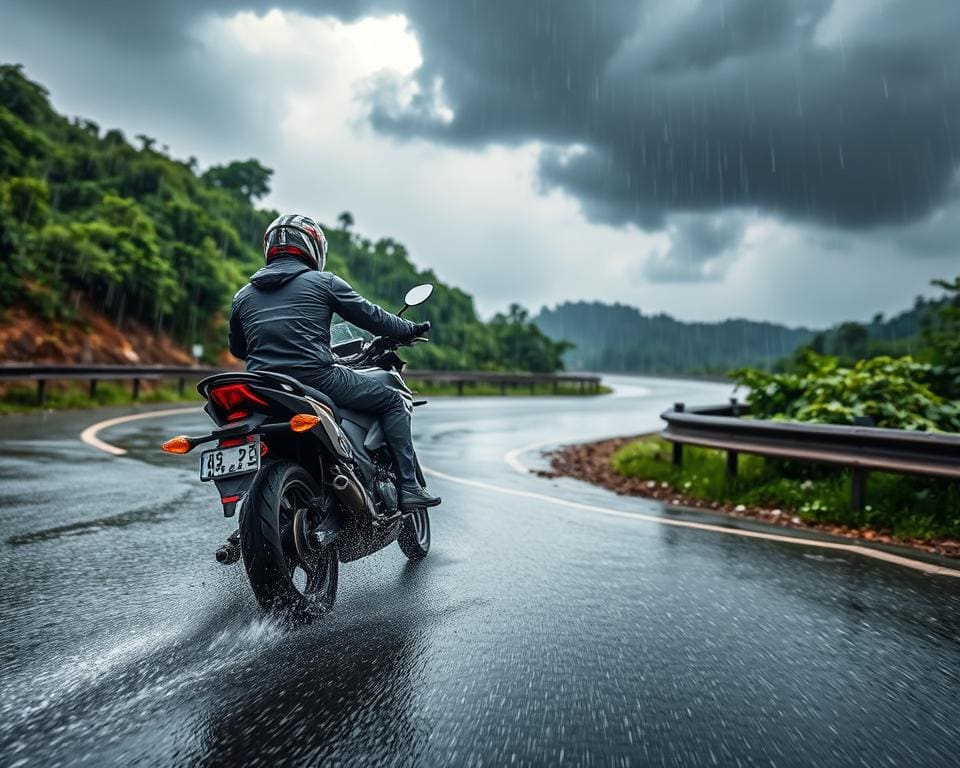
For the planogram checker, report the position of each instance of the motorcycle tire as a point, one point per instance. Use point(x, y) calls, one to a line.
point(281, 581)
point(414, 538)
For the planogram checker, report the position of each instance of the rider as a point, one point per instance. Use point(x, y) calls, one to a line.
point(280, 322)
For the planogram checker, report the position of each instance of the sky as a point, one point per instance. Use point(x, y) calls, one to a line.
point(785, 160)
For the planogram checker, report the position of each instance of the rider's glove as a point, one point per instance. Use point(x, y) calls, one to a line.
point(420, 329)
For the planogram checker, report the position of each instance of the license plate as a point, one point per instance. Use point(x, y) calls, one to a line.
point(226, 462)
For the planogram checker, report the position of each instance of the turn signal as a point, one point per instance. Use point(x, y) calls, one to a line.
point(304, 422)
point(179, 444)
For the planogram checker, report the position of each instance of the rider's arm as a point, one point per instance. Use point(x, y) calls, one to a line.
point(352, 307)
point(237, 341)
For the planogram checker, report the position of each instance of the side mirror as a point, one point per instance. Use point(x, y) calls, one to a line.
point(416, 296)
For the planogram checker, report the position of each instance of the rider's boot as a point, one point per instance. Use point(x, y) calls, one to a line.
point(414, 497)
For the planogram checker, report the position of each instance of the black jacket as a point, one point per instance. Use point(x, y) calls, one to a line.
point(280, 320)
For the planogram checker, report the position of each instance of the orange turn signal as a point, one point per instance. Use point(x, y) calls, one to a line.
point(304, 422)
point(180, 444)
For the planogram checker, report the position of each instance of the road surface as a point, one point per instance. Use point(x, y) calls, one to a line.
point(535, 633)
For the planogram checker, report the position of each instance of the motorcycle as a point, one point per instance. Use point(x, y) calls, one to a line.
point(315, 484)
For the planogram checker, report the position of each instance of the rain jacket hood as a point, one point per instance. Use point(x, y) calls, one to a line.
point(278, 273)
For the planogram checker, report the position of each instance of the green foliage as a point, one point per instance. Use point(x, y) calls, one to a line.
point(71, 395)
point(907, 507)
point(139, 235)
point(943, 336)
point(907, 333)
point(248, 178)
point(894, 393)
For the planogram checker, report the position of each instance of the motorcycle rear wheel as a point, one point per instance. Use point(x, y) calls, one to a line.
point(414, 538)
point(282, 582)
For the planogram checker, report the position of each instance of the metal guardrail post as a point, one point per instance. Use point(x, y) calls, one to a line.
point(732, 461)
point(41, 391)
point(181, 385)
point(858, 489)
point(678, 447)
point(93, 388)
point(136, 388)
point(460, 387)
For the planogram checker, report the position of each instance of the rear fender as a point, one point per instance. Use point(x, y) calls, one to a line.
point(233, 490)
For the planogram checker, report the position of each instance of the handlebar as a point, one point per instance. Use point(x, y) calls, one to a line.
point(376, 347)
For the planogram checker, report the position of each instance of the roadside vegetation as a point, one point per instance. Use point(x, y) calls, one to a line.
point(904, 507)
point(71, 395)
point(893, 392)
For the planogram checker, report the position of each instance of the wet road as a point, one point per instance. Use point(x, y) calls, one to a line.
point(532, 634)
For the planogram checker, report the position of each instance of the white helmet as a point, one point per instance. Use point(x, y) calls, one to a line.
point(296, 235)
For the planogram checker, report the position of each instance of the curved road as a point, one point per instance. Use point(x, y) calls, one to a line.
point(535, 633)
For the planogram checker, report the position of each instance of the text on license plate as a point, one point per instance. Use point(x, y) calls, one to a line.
point(223, 462)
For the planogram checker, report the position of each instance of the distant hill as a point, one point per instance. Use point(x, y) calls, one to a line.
point(901, 334)
point(620, 338)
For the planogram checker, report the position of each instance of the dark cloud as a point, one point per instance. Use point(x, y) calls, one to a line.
point(701, 248)
point(737, 104)
point(729, 103)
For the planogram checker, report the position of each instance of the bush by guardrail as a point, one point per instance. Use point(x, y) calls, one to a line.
point(860, 448)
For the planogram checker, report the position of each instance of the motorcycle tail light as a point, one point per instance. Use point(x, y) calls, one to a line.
point(229, 396)
point(233, 442)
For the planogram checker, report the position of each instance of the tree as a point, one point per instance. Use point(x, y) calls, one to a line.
point(943, 336)
point(850, 341)
point(146, 142)
point(345, 220)
point(247, 178)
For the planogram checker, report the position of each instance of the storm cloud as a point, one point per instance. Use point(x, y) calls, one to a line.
point(845, 113)
point(678, 127)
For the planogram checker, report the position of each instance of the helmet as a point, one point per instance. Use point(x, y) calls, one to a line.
point(296, 235)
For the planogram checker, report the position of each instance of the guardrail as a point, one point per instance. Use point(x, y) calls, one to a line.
point(41, 374)
point(860, 447)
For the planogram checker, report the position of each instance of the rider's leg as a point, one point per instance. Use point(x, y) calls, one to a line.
point(349, 389)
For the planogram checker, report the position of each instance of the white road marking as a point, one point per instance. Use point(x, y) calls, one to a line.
point(89, 435)
point(937, 570)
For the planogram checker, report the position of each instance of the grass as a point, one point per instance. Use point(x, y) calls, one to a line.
point(904, 506)
point(70, 395)
point(491, 390)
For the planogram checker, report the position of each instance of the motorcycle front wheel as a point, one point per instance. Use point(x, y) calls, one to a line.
point(288, 573)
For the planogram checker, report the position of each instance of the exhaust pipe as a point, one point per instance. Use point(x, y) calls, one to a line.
point(350, 493)
point(229, 551)
point(228, 554)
